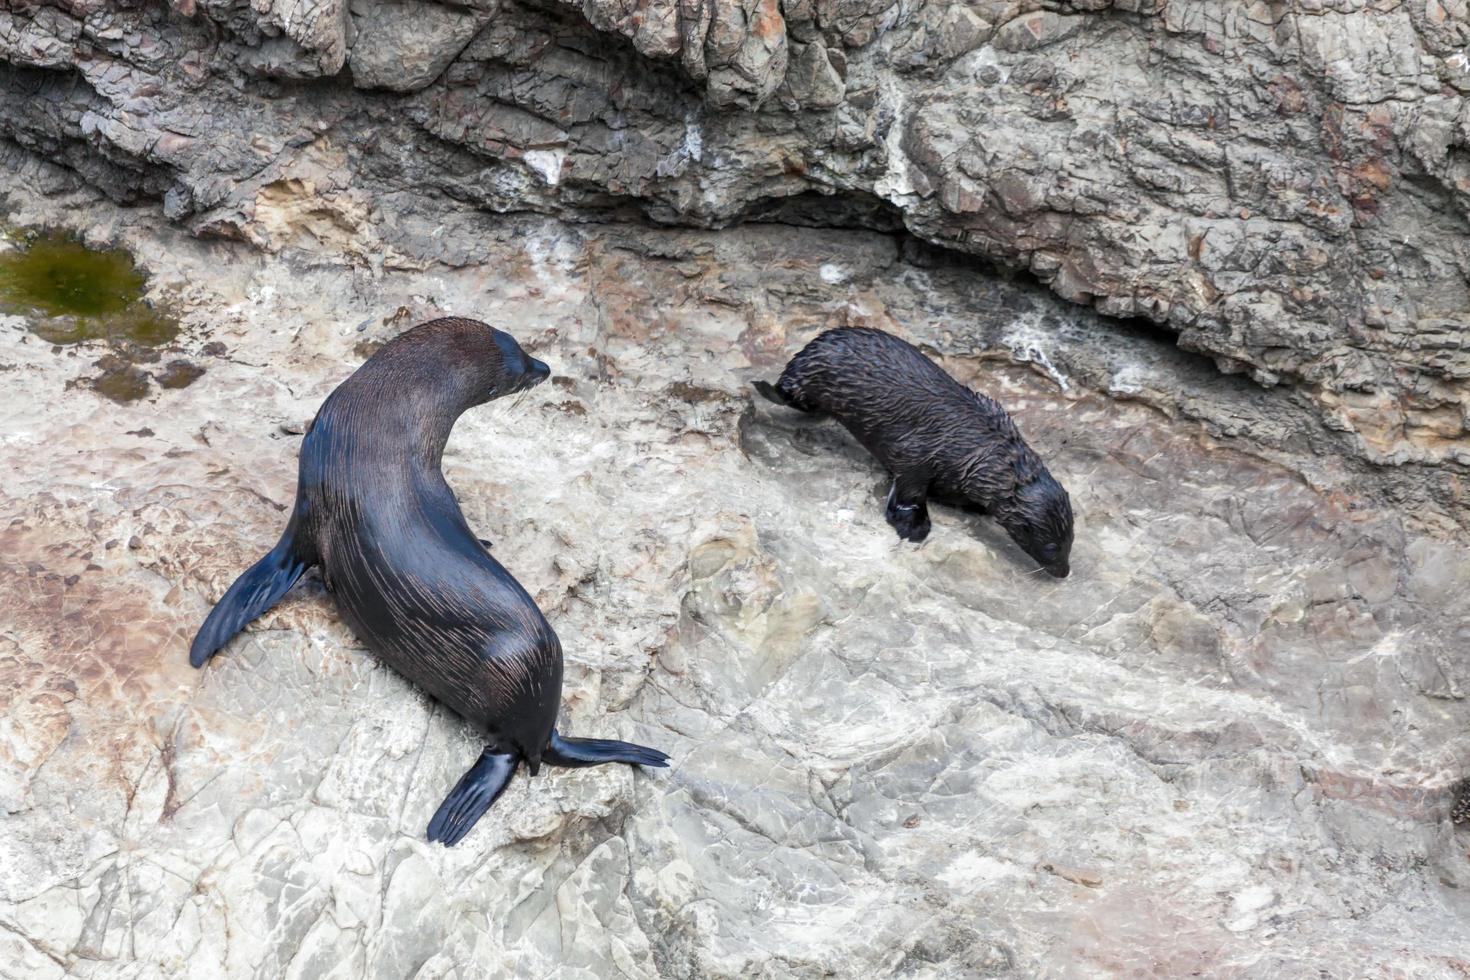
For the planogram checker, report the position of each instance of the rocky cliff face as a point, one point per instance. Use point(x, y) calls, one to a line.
point(1284, 186)
point(1229, 744)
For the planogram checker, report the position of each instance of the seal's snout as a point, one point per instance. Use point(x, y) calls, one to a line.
point(533, 374)
point(1058, 571)
point(526, 375)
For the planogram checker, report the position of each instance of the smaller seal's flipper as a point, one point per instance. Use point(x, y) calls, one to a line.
point(484, 542)
point(252, 594)
point(577, 752)
point(907, 510)
point(472, 796)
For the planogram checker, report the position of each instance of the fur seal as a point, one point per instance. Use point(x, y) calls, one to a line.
point(374, 512)
point(934, 435)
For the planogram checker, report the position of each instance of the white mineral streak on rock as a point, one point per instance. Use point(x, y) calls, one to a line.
point(1028, 343)
point(832, 274)
point(547, 163)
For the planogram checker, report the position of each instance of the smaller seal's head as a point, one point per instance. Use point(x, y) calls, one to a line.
point(1038, 517)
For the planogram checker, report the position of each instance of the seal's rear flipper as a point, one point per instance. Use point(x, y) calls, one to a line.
point(577, 752)
point(472, 796)
point(252, 594)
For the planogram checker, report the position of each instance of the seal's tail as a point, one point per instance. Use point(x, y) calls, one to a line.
point(252, 594)
point(773, 393)
point(578, 752)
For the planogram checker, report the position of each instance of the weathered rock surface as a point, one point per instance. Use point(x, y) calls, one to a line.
point(1286, 186)
point(1225, 746)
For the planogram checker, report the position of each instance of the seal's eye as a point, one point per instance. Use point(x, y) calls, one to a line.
point(512, 358)
point(1049, 552)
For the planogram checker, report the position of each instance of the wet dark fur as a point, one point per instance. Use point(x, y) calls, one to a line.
point(936, 437)
point(410, 577)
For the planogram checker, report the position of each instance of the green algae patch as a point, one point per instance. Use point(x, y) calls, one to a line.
point(70, 293)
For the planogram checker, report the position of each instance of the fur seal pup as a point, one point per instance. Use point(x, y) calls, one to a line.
point(412, 580)
point(934, 435)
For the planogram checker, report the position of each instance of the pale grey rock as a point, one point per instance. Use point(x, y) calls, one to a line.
point(44, 37)
point(286, 38)
point(403, 46)
point(1224, 746)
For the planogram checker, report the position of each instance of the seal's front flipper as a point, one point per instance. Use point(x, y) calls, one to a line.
point(472, 796)
point(908, 508)
point(252, 594)
point(577, 752)
point(484, 542)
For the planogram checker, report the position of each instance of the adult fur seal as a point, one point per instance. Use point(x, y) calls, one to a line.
point(373, 510)
point(934, 435)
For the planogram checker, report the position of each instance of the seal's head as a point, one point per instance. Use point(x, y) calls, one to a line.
point(459, 363)
point(1038, 517)
point(517, 370)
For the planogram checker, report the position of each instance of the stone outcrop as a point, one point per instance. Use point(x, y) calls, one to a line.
point(1284, 186)
point(1228, 744)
